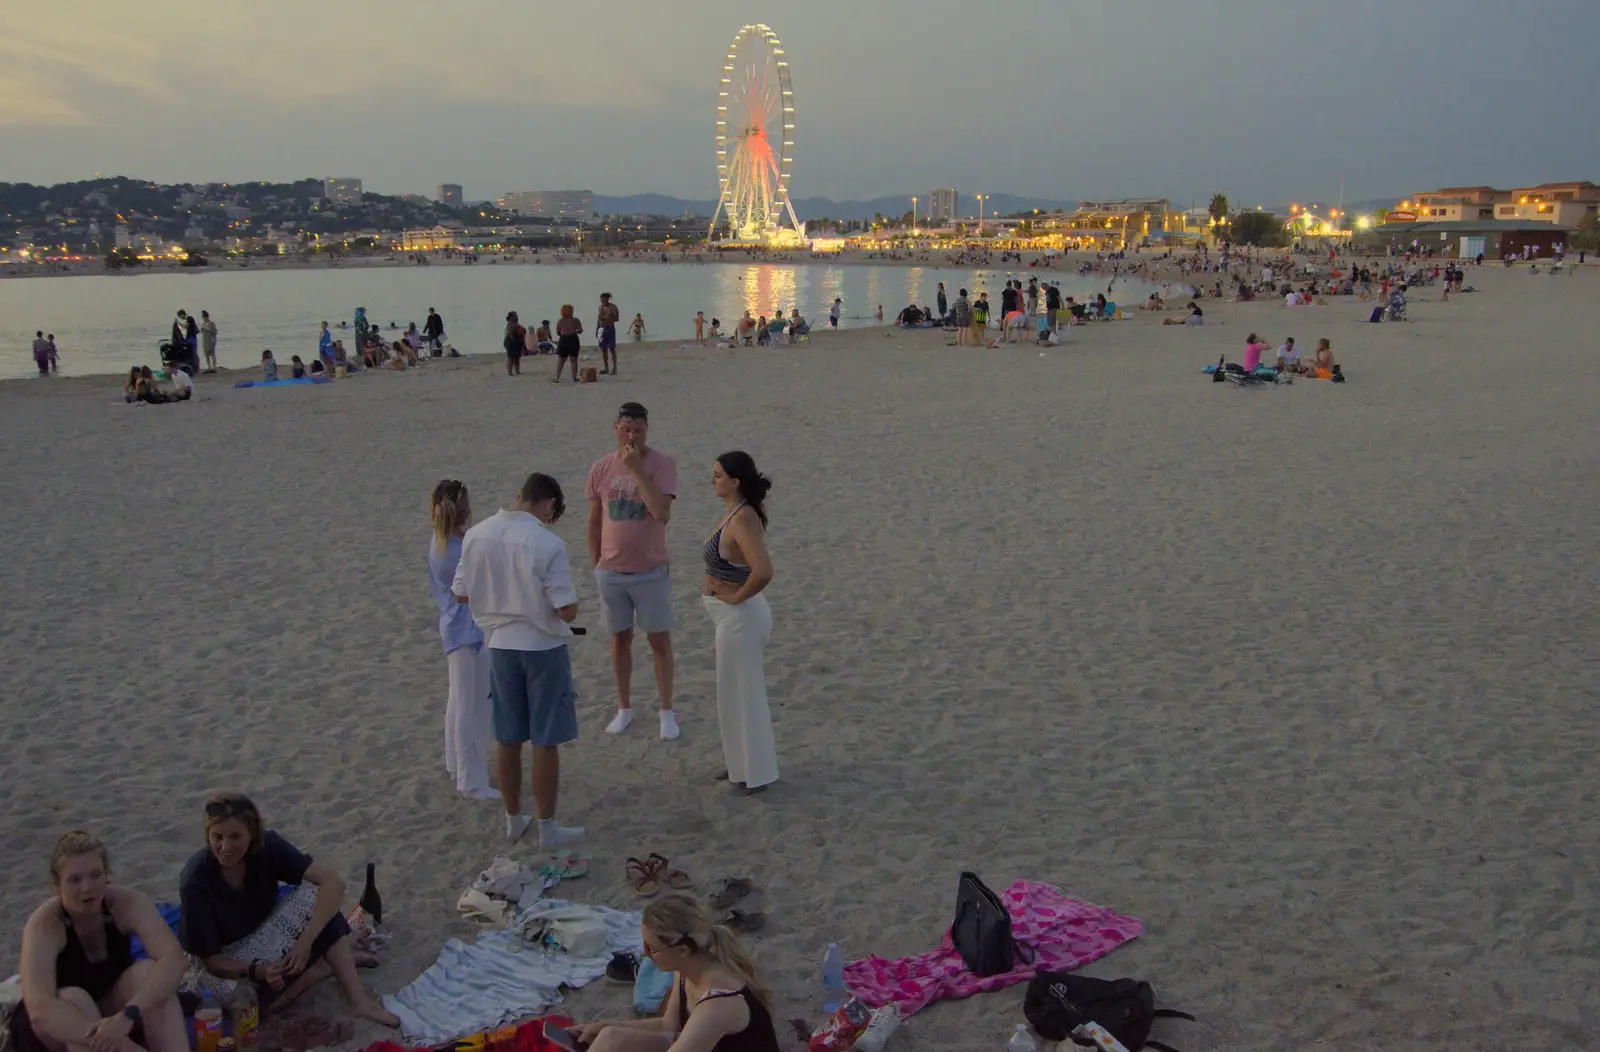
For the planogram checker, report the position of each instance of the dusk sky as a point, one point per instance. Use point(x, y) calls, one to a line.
point(1266, 101)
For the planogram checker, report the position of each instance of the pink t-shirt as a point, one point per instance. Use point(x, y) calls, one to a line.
point(631, 539)
point(1252, 356)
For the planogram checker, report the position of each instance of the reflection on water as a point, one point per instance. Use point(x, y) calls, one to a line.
point(103, 324)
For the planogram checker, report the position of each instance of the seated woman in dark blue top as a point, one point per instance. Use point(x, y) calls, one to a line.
point(230, 888)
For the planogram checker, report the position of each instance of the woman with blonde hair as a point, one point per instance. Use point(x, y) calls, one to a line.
point(568, 329)
point(717, 1003)
point(238, 928)
point(81, 988)
point(466, 713)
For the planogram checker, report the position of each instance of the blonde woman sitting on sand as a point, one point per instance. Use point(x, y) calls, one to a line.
point(81, 988)
point(717, 1003)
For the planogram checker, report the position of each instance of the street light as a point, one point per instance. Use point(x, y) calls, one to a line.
point(913, 214)
point(981, 198)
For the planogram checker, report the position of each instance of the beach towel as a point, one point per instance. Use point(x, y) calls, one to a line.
point(284, 383)
point(478, 986)
point(1063, 932)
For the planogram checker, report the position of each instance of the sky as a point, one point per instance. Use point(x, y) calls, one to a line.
point(1266, 101)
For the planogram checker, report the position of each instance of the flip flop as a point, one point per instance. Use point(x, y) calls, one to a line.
point(643, 876)
point(564, 865)
point(731, 890)
point(742, 922)
point(676, 879)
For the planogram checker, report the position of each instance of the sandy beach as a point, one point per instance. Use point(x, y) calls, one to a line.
point(1302, 677)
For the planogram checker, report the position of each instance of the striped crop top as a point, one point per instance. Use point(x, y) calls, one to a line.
point(718, 568)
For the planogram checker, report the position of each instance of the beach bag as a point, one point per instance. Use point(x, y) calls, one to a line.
point(1057, 1003)
point(577, 931)
point(981, 931)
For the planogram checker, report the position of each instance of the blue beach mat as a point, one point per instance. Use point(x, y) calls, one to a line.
point(1261, 371)
point(284, 383)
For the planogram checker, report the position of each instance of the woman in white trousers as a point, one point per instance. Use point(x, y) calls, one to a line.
point(737, 569)
point(467, 712)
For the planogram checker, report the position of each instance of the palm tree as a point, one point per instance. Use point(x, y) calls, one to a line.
point(1219, 207)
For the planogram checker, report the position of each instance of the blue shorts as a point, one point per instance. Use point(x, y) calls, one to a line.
point(608, 337)
point(533, 697)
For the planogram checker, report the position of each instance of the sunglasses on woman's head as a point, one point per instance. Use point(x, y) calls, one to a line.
point(228, 808)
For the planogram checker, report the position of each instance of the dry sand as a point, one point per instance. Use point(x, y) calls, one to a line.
point(1303, 677)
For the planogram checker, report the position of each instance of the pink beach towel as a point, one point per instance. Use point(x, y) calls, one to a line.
point(1063, 932)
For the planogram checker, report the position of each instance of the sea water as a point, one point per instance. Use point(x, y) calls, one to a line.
point(105, 323)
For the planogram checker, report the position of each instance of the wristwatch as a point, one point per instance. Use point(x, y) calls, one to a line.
point(131, 1013)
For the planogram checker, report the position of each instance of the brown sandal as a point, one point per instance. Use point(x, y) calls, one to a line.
point(644, 876)
point(742, 922)
point(676, 879)
point(732, 890)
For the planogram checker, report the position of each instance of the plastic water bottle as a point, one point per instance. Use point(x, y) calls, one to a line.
point(1021, 1040)
point(833, 992)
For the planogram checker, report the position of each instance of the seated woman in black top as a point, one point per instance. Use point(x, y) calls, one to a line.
point(229, 889)
point(717, 1003)
point(81, 988)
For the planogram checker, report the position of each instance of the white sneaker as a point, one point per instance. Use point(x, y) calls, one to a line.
point(516, 825)
point(620, 721)
point(669, 725)
point(552, 835)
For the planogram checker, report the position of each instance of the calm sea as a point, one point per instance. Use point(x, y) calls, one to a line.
point(105, 323)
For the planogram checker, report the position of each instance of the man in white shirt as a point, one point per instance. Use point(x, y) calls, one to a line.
point(182, 386)
point(513, 575)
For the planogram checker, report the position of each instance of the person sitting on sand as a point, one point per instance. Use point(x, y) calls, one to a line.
point(1154, 303)
point(130, 389)
point(182, 386)
point(797, 326)
point(1288, 356)
point(543, 342)
point(746, 329)
point(397, 361)
point(716, 330)
point(81, 988)
point(269, 367)
point(909, 317)
point(1196, 316)
point(229, 893)
point(1321, 366)
point(763, 333)
point(1254, 348)
point(718, 1001)
point(297, 368)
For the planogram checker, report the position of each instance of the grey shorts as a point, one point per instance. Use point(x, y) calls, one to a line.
point(642, 599)
point(532, 695)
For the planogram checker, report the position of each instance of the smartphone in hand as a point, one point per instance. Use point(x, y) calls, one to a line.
point(560, 1037)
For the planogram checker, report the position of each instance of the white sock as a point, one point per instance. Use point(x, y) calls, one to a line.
point(620, 721)
point(516, 825)
point(552, 835)
point(669, 726)
point(481, 793)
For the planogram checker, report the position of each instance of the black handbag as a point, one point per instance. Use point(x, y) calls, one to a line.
point(981, 932)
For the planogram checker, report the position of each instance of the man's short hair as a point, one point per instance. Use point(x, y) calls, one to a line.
point(633, 411)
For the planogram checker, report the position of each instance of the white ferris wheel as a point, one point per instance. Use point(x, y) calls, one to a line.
point(755, 140)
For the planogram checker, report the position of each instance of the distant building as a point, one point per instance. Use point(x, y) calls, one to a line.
point(121, 238)
point(342, 191)
point(942, 206)
point(1465, 239)
point(450, 196)
point(1562, 204)
point(556, 204)
point(191, 199)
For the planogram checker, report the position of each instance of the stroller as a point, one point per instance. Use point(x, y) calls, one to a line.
point(1397, 307)
point(178, 356)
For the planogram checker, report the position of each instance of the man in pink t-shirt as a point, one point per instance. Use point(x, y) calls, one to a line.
point(630, 502)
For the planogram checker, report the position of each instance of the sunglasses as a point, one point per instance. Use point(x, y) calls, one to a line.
point(228, 808)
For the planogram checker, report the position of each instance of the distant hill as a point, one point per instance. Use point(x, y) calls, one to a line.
point(810, 208)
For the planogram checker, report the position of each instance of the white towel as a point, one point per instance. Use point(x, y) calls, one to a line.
point(488, 983)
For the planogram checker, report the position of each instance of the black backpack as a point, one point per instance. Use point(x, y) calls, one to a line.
point(1057, 1003)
